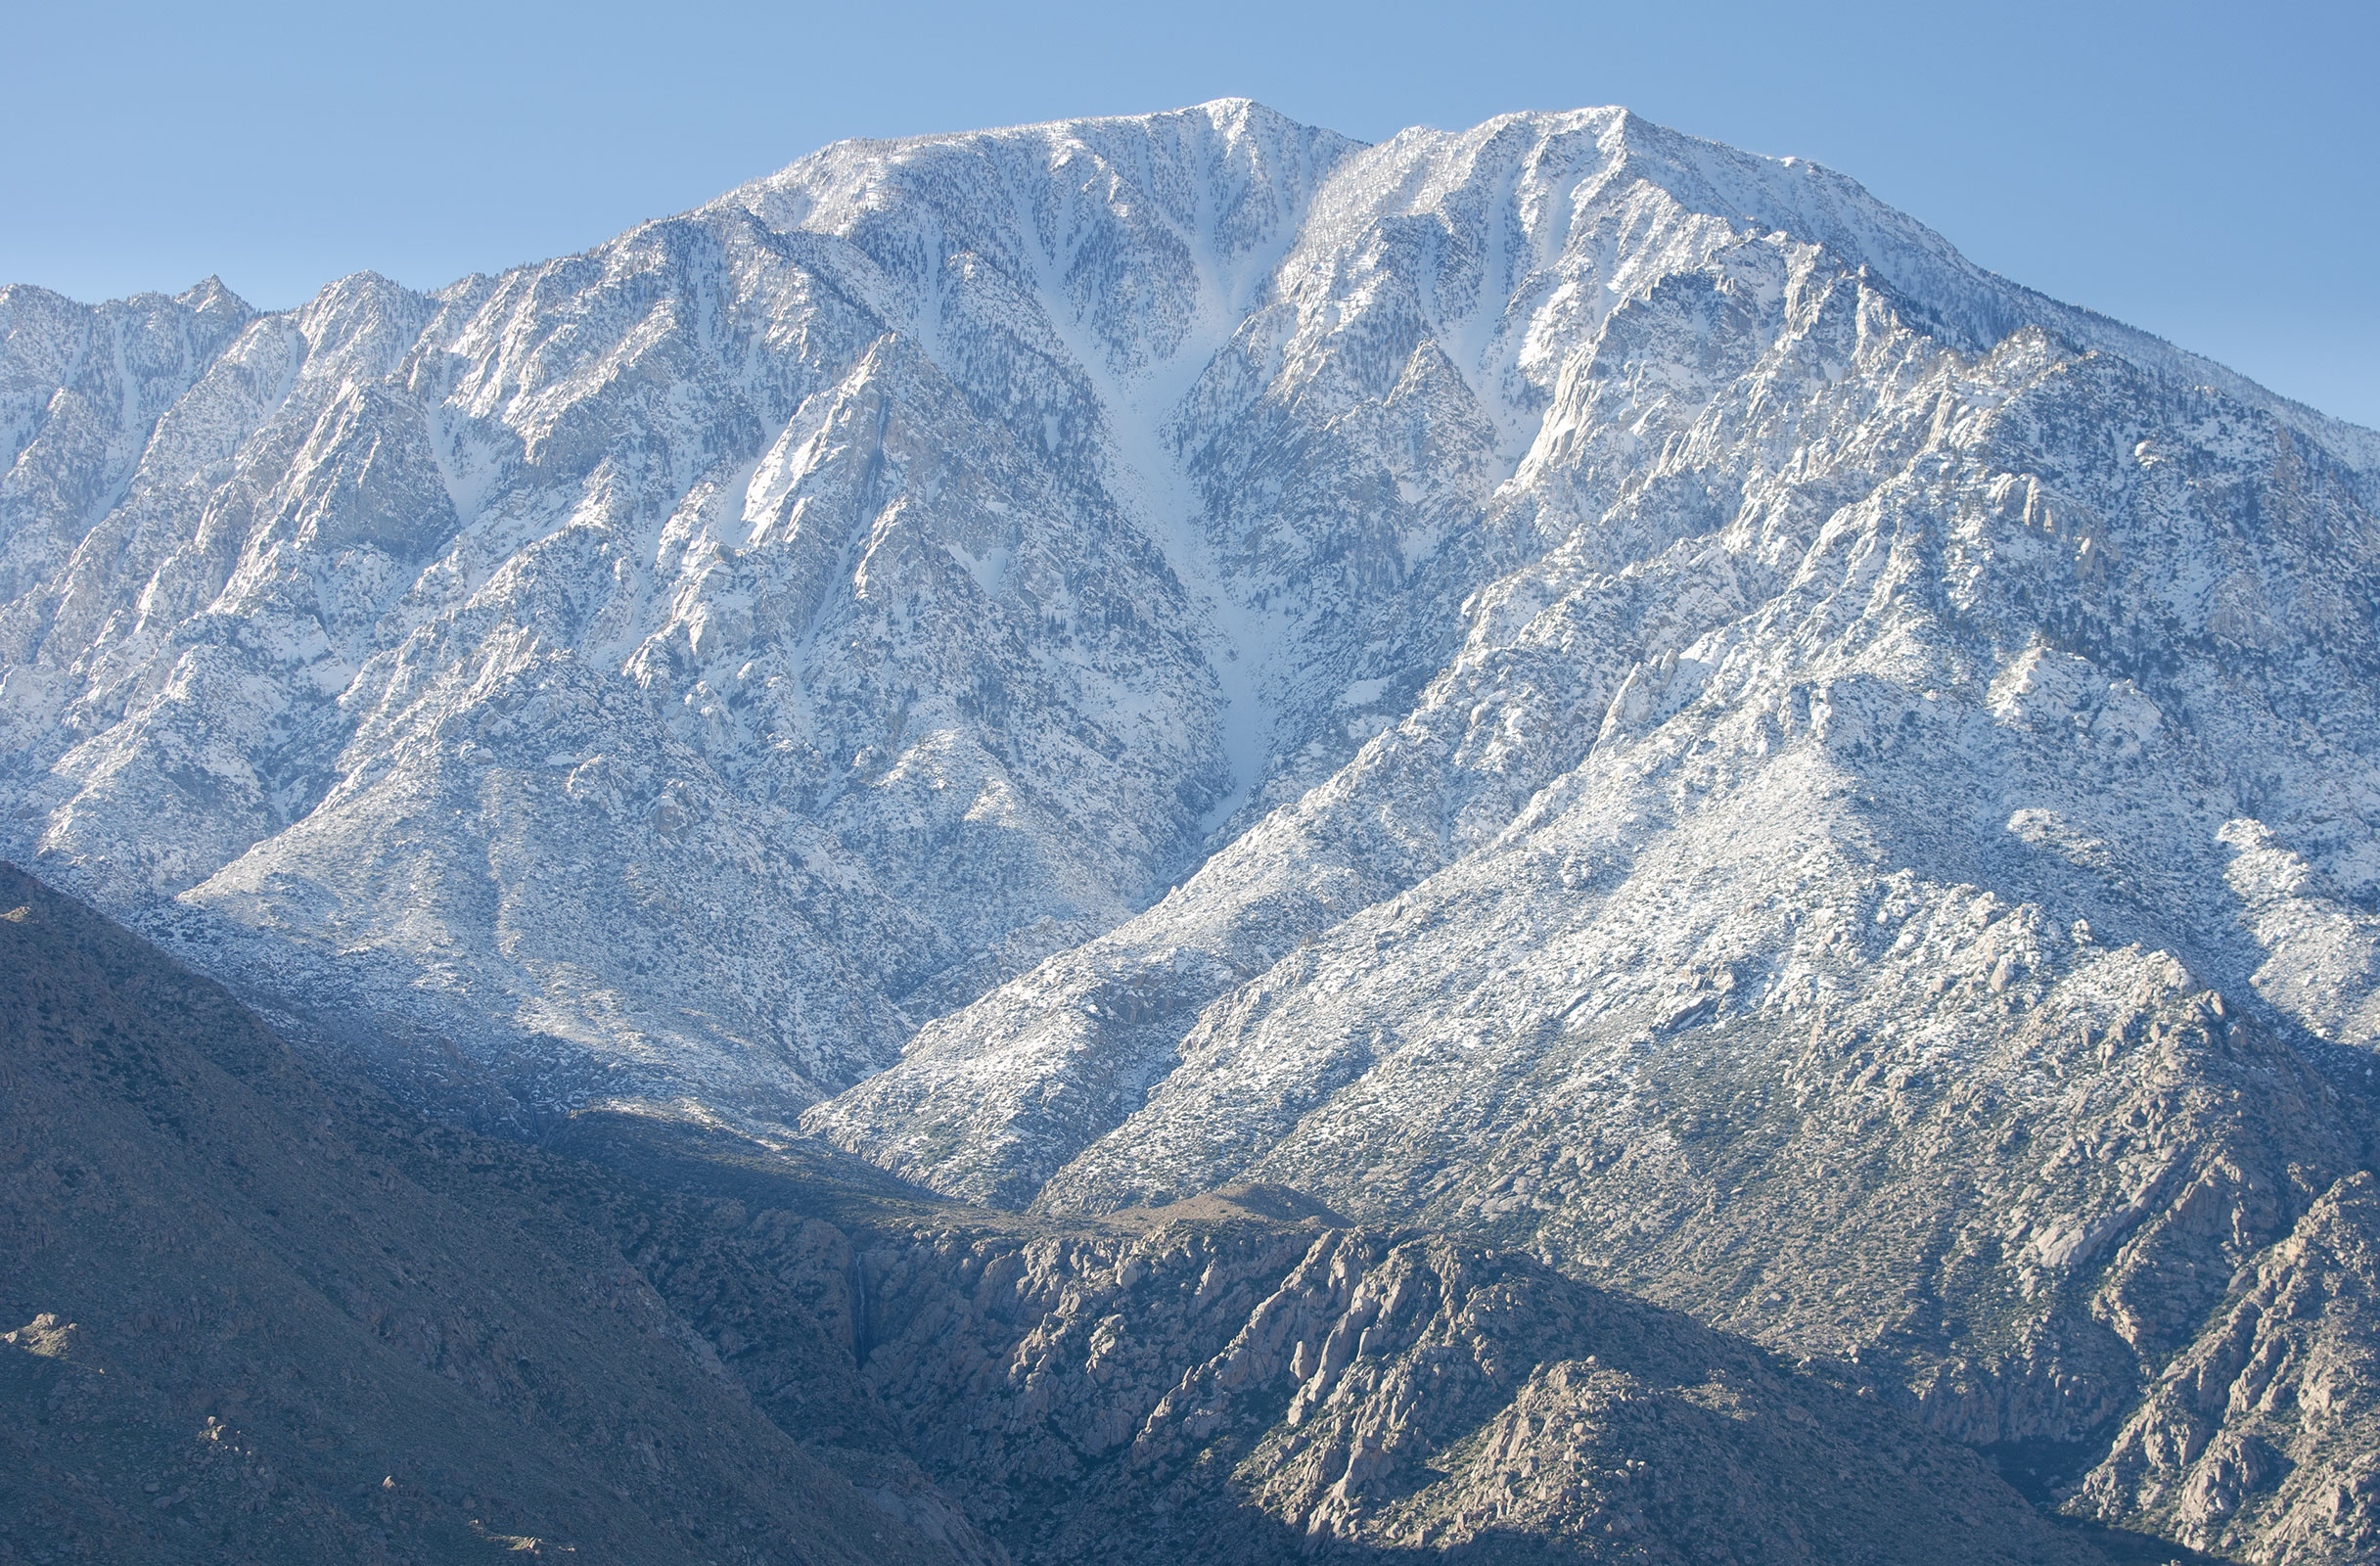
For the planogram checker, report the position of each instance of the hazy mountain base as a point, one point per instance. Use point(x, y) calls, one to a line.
point(272, 1321)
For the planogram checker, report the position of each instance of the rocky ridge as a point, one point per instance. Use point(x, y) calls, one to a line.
point(2259, 1439)
point(1241, 1376)
point(1222, 1396)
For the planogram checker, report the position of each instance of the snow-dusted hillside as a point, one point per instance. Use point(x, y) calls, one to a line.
point(1558, 681)
point(657, 670)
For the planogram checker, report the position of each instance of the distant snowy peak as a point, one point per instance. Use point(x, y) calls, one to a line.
point(1131, 232)
point(1596, 181)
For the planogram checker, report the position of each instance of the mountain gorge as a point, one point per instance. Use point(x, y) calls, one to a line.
point(1557, 689)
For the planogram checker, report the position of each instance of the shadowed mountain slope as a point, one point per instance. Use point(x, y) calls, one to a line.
point(267, 1319)
point(254, 1319)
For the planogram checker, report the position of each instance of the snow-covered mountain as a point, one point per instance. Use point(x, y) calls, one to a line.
point(1561, 681)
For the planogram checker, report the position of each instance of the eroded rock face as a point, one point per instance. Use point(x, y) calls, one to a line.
point(2025, 1205)
point(2261, 1439)
point(1241, 1390)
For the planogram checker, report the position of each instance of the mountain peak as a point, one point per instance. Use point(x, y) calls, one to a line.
point(211, 294)
point(1558, 681)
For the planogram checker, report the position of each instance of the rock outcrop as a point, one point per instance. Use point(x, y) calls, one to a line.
point(271, 1319)
point(2262, 1441)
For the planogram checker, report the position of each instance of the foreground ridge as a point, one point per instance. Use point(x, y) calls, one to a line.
point(281, 1317)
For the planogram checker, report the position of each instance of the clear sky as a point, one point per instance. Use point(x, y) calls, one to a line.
point(2211, 173)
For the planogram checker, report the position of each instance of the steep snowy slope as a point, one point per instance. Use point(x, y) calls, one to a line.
point(1834, 609)
point(657, 667)
point(1893, 873)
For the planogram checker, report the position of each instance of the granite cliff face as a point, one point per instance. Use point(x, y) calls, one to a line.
point(1204, 1395)
point(1558, 682)
point(2260, 1440)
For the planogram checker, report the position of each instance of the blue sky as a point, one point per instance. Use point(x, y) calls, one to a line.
point(2206, 171)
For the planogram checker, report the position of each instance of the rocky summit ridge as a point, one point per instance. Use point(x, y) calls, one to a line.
point(1560, 684)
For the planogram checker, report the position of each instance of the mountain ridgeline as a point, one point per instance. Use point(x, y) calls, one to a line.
point(1564, 692)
